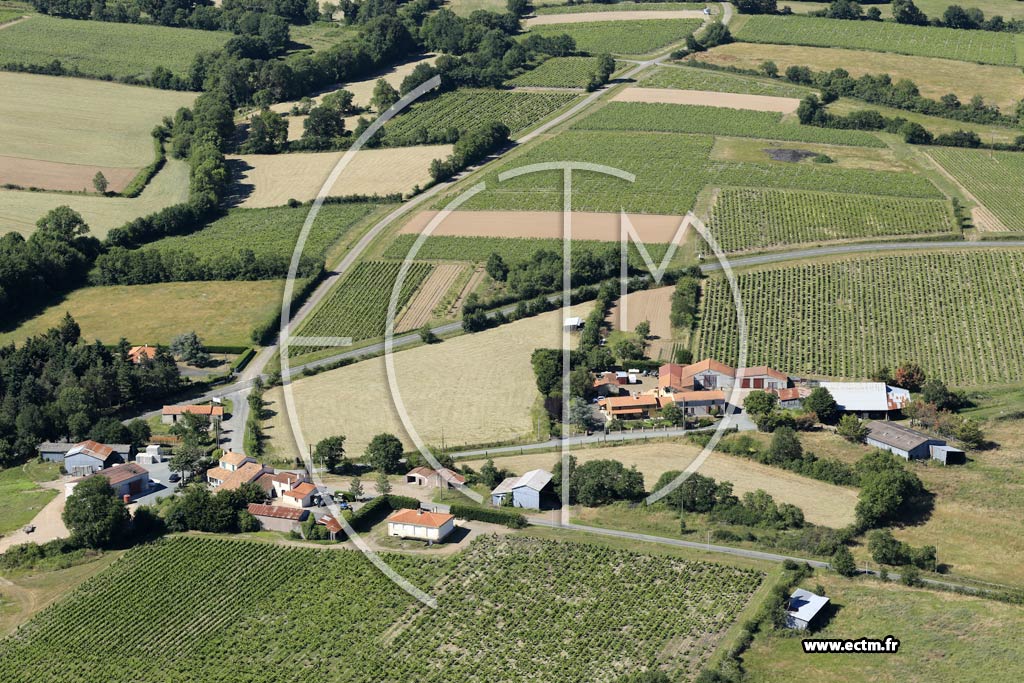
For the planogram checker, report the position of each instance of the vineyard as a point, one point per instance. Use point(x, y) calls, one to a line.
point(752, 219)
point(103, 48)
point(512, 250)
point(821, 177)
point(469, 107)
point(357, 307)
point(993, 177)
point(690, 118)
point(559, 72)
point(956, 313)
point(667, 168)
point(192, 610)
point(623, 37)
point(718, 81)
point(983, 47)
point(271, 234)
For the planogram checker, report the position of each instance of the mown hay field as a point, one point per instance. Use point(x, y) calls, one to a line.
point(355, 400)
point(99, 48)
point(265, 180)
point(935, 77)
point(20, 209)
point(956, 313)
point(80, 121)
point(222, 313)
point(683, 78)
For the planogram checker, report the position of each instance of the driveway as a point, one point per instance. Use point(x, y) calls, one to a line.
point(48, 522)
point(160, 487)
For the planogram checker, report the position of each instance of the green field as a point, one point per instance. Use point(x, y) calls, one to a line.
point(667, 169)
point(681, 78)
point(222, 313)
point(357, 307)
point(559, 72)
point(822, 178)
point(306, 609)
point(687, 118)
point(20, 209)
point(623, 37)
point(271, 234)
point(747, 218)
point(34, 121)
point(512, 250)
point(470, 107)
point(983, 47)
point(993, 177)
point(101, 48)
point(586, 8)
point(21, 497)
point(956, 313)
point(7, 15)
point(938, 632)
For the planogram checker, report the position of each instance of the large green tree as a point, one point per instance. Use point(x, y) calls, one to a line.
point(385, 453)
point(94, 515)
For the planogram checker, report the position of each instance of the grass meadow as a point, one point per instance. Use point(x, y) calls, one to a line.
point(222, 313)
point(21, 497)
point(101, 48)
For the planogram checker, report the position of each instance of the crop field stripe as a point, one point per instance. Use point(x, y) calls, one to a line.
point(468, 107)
point(692, 118)
point(748, 218)
point(511, 249)
point(357, 307)
point(623, 37)
point(994, 178)
point(958, 314)
point(682, 78)
point(983, 47)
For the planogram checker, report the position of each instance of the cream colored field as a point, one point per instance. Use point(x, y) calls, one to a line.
point(604, 227)
point(19, 209)
point(362, 91)
point(578, 17)
point(420, 310)
point(822, 503)
point(1000, 85)
point(477, 388)
point(272, 179)
point(784, 105)
point(82, 121)
point(222, 313)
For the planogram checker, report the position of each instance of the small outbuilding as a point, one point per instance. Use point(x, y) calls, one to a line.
point(89, 457)
point(426, 476)
point(420, 524)
point(911, 444)
point(54, 451)
point(803, 607)
point(526, 491)
point(276, 518)
point(130, 479)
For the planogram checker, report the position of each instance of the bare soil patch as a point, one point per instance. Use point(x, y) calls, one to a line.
point(604, 227)
point(52, 175)
point(791, 156)
point(429, 295)
point(708, 98)
point(272, 179)
point(580, 17)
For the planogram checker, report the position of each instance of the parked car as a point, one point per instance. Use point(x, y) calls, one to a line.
point(174, 478)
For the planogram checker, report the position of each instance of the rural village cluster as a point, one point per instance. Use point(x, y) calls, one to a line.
point(298, 381)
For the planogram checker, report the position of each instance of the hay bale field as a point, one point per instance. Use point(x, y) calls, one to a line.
point(222, 313)
point(100, 48)
point(824, 504)
point(445, 387)
point(272, 179)
point(20, 209)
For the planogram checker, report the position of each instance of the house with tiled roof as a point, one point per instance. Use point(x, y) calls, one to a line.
point(420, 524)
point(630, 406)
point(300, 496)
point(277, 518)
point(231, 479)
point(139, 354)
point(171, 414)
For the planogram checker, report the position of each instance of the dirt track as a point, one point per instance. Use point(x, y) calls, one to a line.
point(429, 295)
point(784, 105)
point(581, 17)
point(545, 224)
point(52, 175)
